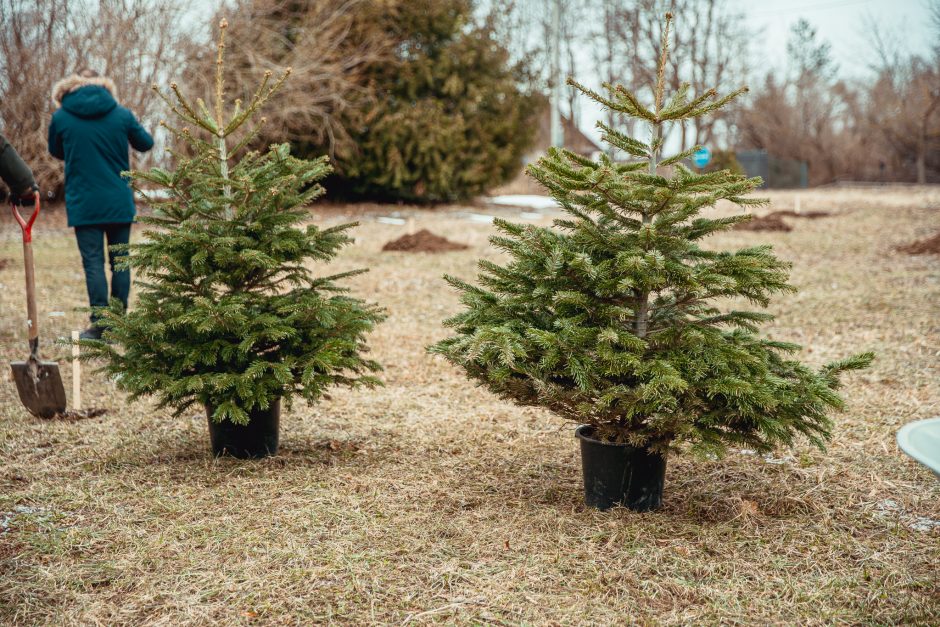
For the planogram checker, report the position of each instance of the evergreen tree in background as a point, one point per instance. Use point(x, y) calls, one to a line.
point(451, 118)
point(611, 318)
point(414, 100)
point(229, 314)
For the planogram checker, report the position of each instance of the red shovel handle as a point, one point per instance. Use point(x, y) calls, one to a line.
point(27, 225)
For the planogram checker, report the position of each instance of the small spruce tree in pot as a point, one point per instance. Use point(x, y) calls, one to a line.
point(610, 319)
point(229, 315)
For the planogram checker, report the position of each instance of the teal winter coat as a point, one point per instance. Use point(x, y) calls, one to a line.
point(90, 131)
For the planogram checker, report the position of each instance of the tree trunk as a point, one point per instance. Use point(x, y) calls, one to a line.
point(922, 162)
point(641, 317)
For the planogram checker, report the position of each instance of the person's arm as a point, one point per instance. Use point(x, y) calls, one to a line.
point(14, 172)
point(56, 149)
point(139, 138)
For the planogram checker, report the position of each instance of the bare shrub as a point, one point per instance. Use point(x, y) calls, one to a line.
point(329, 46)
point(883, 129)
point(134, 42)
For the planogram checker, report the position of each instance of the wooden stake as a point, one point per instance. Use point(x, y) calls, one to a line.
point(76, 374)
point(411, 226)
point(797, 207)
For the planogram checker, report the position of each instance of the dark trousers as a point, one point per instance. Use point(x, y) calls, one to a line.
point(91, 245)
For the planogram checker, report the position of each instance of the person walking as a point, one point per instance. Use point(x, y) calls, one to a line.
point(90, 131)
point(17, 175)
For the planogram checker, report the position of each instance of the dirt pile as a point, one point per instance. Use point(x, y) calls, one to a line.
point(4, 263)
point(789, 213)
point(926, 246)
point(765, 223)
point(424, 241)
point(80, 414)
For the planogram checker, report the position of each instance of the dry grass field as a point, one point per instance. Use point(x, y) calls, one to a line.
point(430, 501)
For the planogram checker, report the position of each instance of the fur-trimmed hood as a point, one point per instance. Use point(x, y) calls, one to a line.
point(70, 83)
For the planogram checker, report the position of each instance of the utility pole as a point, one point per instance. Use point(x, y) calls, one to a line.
point(558, 138)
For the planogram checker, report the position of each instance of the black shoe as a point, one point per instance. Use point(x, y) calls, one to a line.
point(91, 333)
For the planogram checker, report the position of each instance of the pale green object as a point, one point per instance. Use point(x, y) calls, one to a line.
point(921, 440)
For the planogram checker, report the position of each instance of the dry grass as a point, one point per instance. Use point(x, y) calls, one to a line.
point(429, 501)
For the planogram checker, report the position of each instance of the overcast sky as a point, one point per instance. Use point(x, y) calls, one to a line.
point(842, 23)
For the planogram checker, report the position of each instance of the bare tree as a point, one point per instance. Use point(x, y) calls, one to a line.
point(905, 109)
point(617, 52)
point(807, 115)
point(328, 44)
point(31, 58)
point(934, 8)
point(134, 42)
point(526, 26)
point(887, 129)
point(710, 33)
point(904, 101)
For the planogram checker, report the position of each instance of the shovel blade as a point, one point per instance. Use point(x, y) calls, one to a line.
point(40, 387)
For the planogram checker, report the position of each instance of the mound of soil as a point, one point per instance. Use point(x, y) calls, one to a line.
point(424, 241)
point(80, 414)
point(4, 263)
point(928, 246)
point(766, 223)
point(789, 213)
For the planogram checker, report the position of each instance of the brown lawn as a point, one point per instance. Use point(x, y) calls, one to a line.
point(430, 501)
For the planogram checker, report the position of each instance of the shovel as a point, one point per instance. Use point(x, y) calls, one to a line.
point(38, 382)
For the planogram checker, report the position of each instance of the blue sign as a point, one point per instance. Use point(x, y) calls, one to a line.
point(701, 157)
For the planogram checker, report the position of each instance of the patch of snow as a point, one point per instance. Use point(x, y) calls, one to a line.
point(156, 194)
point(480, 217)
point(7, 518)
point(388, 220)
point(531, 201)
point(922, 523)
point(768, 457)
point(890, 507)
point(528, 215)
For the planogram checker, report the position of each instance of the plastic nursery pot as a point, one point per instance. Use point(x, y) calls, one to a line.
point(259, 438)
point(620, 474)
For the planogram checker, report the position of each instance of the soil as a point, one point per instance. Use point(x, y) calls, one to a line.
point(926, 246)
point(766, 223)
point(80, 414)
point(424, 241)
point(4, 263)
point(789, 213)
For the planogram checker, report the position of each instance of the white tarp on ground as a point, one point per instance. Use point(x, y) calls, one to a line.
point(156, 194)
point(529, 201)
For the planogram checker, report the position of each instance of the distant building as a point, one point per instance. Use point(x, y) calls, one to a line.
point(574, 140)
point(777, 173)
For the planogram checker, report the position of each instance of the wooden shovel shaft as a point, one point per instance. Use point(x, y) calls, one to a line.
point(32, 320)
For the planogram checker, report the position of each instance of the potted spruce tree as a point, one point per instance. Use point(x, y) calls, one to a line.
point(229, 314)
point(616, 318)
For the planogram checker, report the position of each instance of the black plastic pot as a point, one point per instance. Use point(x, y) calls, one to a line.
point(620, 474)
point(258, 438)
